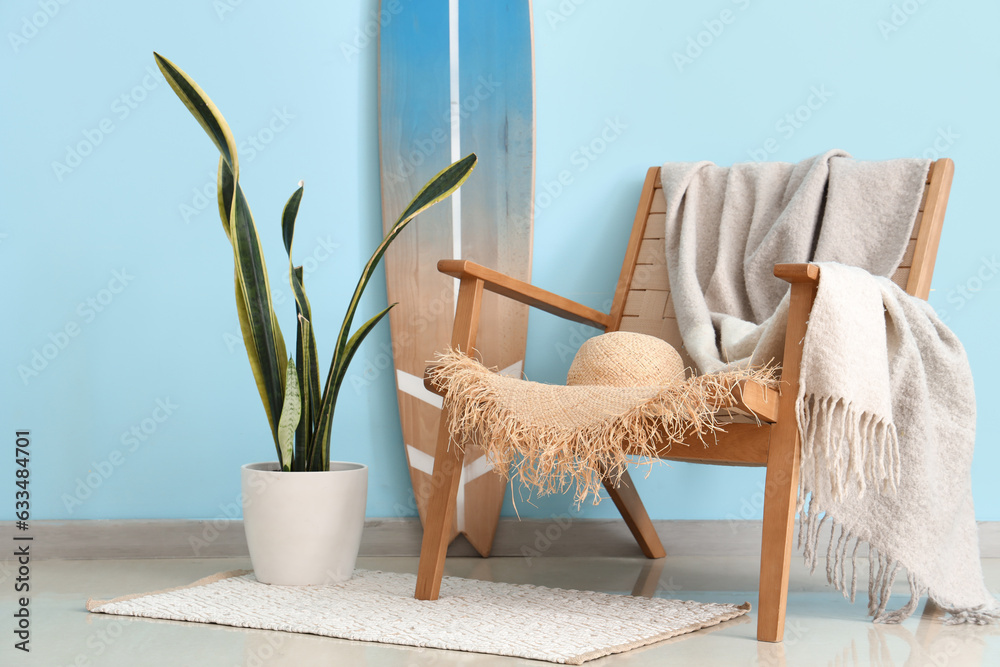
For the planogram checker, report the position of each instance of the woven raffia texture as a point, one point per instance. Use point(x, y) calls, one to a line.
point(627, 397)
point(626, 359)
point(551, 624)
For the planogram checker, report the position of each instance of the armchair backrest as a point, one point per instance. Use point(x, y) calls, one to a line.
point(642, 301)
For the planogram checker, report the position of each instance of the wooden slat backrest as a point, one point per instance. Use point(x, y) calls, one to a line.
point(643, 303)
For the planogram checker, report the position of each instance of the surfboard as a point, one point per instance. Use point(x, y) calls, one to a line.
point(455, 77)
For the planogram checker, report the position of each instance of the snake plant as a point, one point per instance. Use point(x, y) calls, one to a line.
point(299, 412)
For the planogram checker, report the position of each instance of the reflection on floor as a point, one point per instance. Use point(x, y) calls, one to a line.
point(822, 629)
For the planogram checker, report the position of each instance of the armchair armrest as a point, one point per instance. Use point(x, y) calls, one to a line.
point(797, 273)
point(475, 278)
point(804, 279)
point(525, 293)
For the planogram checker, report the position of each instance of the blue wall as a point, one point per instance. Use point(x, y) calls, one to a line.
point(119, 279)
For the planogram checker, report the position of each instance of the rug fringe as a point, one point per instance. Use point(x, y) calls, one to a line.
point(95, 605)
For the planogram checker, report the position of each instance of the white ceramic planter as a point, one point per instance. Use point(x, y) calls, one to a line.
point(304, 528)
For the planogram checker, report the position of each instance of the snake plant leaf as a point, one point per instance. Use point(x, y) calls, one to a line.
point(202, 108)
point(300, 415)
point(247, 332)
point(225, 193)
point(291, 413)
point(288, 215)
point(354, 343)
point(261, 378)
point(324, 428)
point(305, 361)
point(313, 367)
point(305, 344)
point(267, 358)
point(261, 335)
point(441, 186)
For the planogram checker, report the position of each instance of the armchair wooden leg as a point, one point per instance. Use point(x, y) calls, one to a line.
point(782, 484)
point(780, 492)
point(440, 513)
point(627, 500)
point(447, 460)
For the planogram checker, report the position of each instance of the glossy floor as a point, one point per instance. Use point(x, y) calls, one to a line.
point(822, 627)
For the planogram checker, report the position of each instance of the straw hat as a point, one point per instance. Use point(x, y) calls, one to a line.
point(626, 395)
point(626, 359)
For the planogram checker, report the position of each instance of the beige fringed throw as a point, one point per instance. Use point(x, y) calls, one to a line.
point(886, 446)
point(911, 503)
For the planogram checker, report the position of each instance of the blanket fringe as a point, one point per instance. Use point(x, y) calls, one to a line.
point(982, 615)
point(882, 572)
point(880, 580)
point(853, 448)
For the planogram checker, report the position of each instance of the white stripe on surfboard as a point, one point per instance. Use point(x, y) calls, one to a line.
point(514, 370)
point(425, 463)
point(460, 503)
point(456, 134)
point(414, 386)
point(419, 460)
point(470, 471)
point(476, 469)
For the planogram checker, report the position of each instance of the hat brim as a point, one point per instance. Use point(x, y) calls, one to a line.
point(555, 435)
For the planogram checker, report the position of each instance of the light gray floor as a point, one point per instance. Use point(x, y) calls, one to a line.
point(822, 628)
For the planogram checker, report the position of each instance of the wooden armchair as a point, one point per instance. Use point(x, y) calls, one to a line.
point(763, 429)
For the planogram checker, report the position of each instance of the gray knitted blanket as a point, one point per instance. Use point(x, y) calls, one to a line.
point(874, 451)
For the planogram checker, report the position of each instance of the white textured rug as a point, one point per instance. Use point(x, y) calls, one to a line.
point(552, 624)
